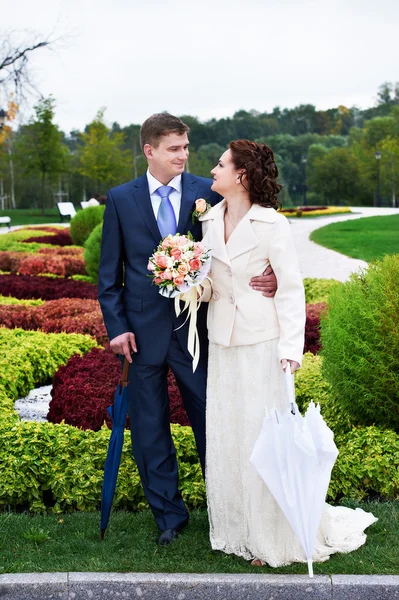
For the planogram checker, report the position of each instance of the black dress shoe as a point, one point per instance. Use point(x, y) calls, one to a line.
point(167, 536)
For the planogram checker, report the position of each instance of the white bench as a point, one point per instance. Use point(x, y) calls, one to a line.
point(66, 209)
point(91, 202)
point(5, 221)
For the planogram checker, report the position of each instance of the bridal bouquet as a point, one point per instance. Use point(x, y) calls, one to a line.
point(178, 267)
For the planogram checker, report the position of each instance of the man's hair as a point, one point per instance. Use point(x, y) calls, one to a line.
point(159, 125)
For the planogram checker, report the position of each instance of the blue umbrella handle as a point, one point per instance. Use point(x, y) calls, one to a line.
point(124, 381)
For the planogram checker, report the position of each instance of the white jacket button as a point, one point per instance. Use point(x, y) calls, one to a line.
point(231, 299)
point(216, 295)
point(229, 272)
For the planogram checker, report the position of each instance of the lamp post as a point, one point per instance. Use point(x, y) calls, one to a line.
point(304, 160)
point(3, 116)
point(378, 157)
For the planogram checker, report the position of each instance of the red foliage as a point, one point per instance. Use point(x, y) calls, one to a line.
point(304, 208)
point(84, 388)
point(61, 238)
point(312, 327)
point(71, 315)
point(59, 261)
point(46, 288)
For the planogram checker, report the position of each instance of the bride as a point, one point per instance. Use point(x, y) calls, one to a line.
point(252, 339)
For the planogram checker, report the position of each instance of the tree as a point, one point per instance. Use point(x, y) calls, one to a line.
point(390, 166)
point(102, 157)
point(6, 158)
point(40, 147)
point(335, 176)
point(14, 63)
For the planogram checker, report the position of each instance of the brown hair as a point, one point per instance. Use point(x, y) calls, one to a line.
point(158, 125)
point(257, 162)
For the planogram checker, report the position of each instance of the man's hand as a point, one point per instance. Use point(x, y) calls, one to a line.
point(266, 283)
point(124, 344)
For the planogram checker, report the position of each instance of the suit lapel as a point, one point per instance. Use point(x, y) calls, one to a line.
point(188, 197)
point(141, 195)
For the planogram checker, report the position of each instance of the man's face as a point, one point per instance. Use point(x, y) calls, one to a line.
point(168, 159)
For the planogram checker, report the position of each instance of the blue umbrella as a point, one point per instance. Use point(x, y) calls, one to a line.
point(118, 413)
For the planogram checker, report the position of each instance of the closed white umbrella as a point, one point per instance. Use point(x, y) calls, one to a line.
point(294, 455)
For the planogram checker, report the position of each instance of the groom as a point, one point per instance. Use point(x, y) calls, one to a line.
point(140, 321)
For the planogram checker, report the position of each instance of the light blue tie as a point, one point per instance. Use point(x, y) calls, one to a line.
point(166, 218)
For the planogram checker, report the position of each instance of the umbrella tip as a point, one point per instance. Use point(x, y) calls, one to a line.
point(102, 533)
point(310, 568)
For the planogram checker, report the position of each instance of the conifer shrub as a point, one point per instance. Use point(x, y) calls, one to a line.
point(84, 222)
point(93, 251)
point(360, 340)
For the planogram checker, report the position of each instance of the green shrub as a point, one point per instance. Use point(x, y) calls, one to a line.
point(360, 339)
point(317, 290)
point(93, 251)
point(29, 358)
point(84, 222)
point(9, 301)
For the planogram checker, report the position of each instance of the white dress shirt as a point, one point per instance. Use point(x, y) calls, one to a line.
point(175, 196)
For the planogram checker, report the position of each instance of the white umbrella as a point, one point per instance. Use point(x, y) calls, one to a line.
point(294, 455)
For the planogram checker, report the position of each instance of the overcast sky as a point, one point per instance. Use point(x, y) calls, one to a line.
point(207, 58)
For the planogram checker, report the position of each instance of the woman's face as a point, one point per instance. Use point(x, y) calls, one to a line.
point(225, 176)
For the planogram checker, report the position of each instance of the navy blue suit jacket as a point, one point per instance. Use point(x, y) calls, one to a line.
point(129, 301)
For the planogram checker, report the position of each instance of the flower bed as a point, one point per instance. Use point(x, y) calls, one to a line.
point(84, 388)
point(46, 288)
point(61, 238)
point(315, 211)
point(71, 315)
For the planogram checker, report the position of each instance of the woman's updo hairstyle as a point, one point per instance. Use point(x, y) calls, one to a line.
point(260, 171)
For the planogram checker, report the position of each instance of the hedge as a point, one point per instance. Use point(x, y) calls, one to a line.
point(84, 222)
point(45, 288)
point(360, 338)
point(70, 315)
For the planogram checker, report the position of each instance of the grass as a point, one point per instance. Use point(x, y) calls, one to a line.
point(71, 543)
point(367, 238)
point(31, 216)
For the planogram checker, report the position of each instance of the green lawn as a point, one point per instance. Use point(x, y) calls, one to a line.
point(31, 216)
point(366, 238)
point(71, 543)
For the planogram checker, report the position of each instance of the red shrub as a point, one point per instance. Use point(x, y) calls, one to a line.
point(63, 262)
point(84, 388)
point(46, 288)
point(312, 327)
point(61, 238)
point(71, 315)
point(70, 252)
point(9, 261)
point(32, 264)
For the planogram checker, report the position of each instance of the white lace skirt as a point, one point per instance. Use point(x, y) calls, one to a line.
point(244, 517)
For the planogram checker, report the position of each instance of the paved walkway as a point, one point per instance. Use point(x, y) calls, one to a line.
point(316, 261)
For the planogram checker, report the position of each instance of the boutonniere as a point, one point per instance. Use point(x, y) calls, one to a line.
point(201, 208)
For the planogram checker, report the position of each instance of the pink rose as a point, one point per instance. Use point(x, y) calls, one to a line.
point(200, 205)
point(178, 280)
point(175, 253)
point(183, 269)
point(150, 266)
point(161, 261)
point(198, 249)
point(182, 241)
point(157, 280)
point(167, 275)
point(195, 264)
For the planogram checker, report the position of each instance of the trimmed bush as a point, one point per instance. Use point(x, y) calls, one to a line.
point(45, 288)
point(360, 339)
point(63, 262)
point(84, 388)
point(93, 251)
point(318, 290)
point(69, 315)
point(84, 222)
point(61, 238)
point(29, 358)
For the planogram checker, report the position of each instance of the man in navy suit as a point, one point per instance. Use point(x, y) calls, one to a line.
point(141, 322)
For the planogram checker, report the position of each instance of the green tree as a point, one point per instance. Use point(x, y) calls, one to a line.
point(335, 176)
point(40, 148)
point(390, 166)
point(102, 156)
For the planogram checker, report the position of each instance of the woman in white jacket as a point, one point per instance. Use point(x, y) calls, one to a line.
point(252, 339)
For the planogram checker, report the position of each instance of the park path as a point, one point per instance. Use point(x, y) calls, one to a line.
point(320, 262)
